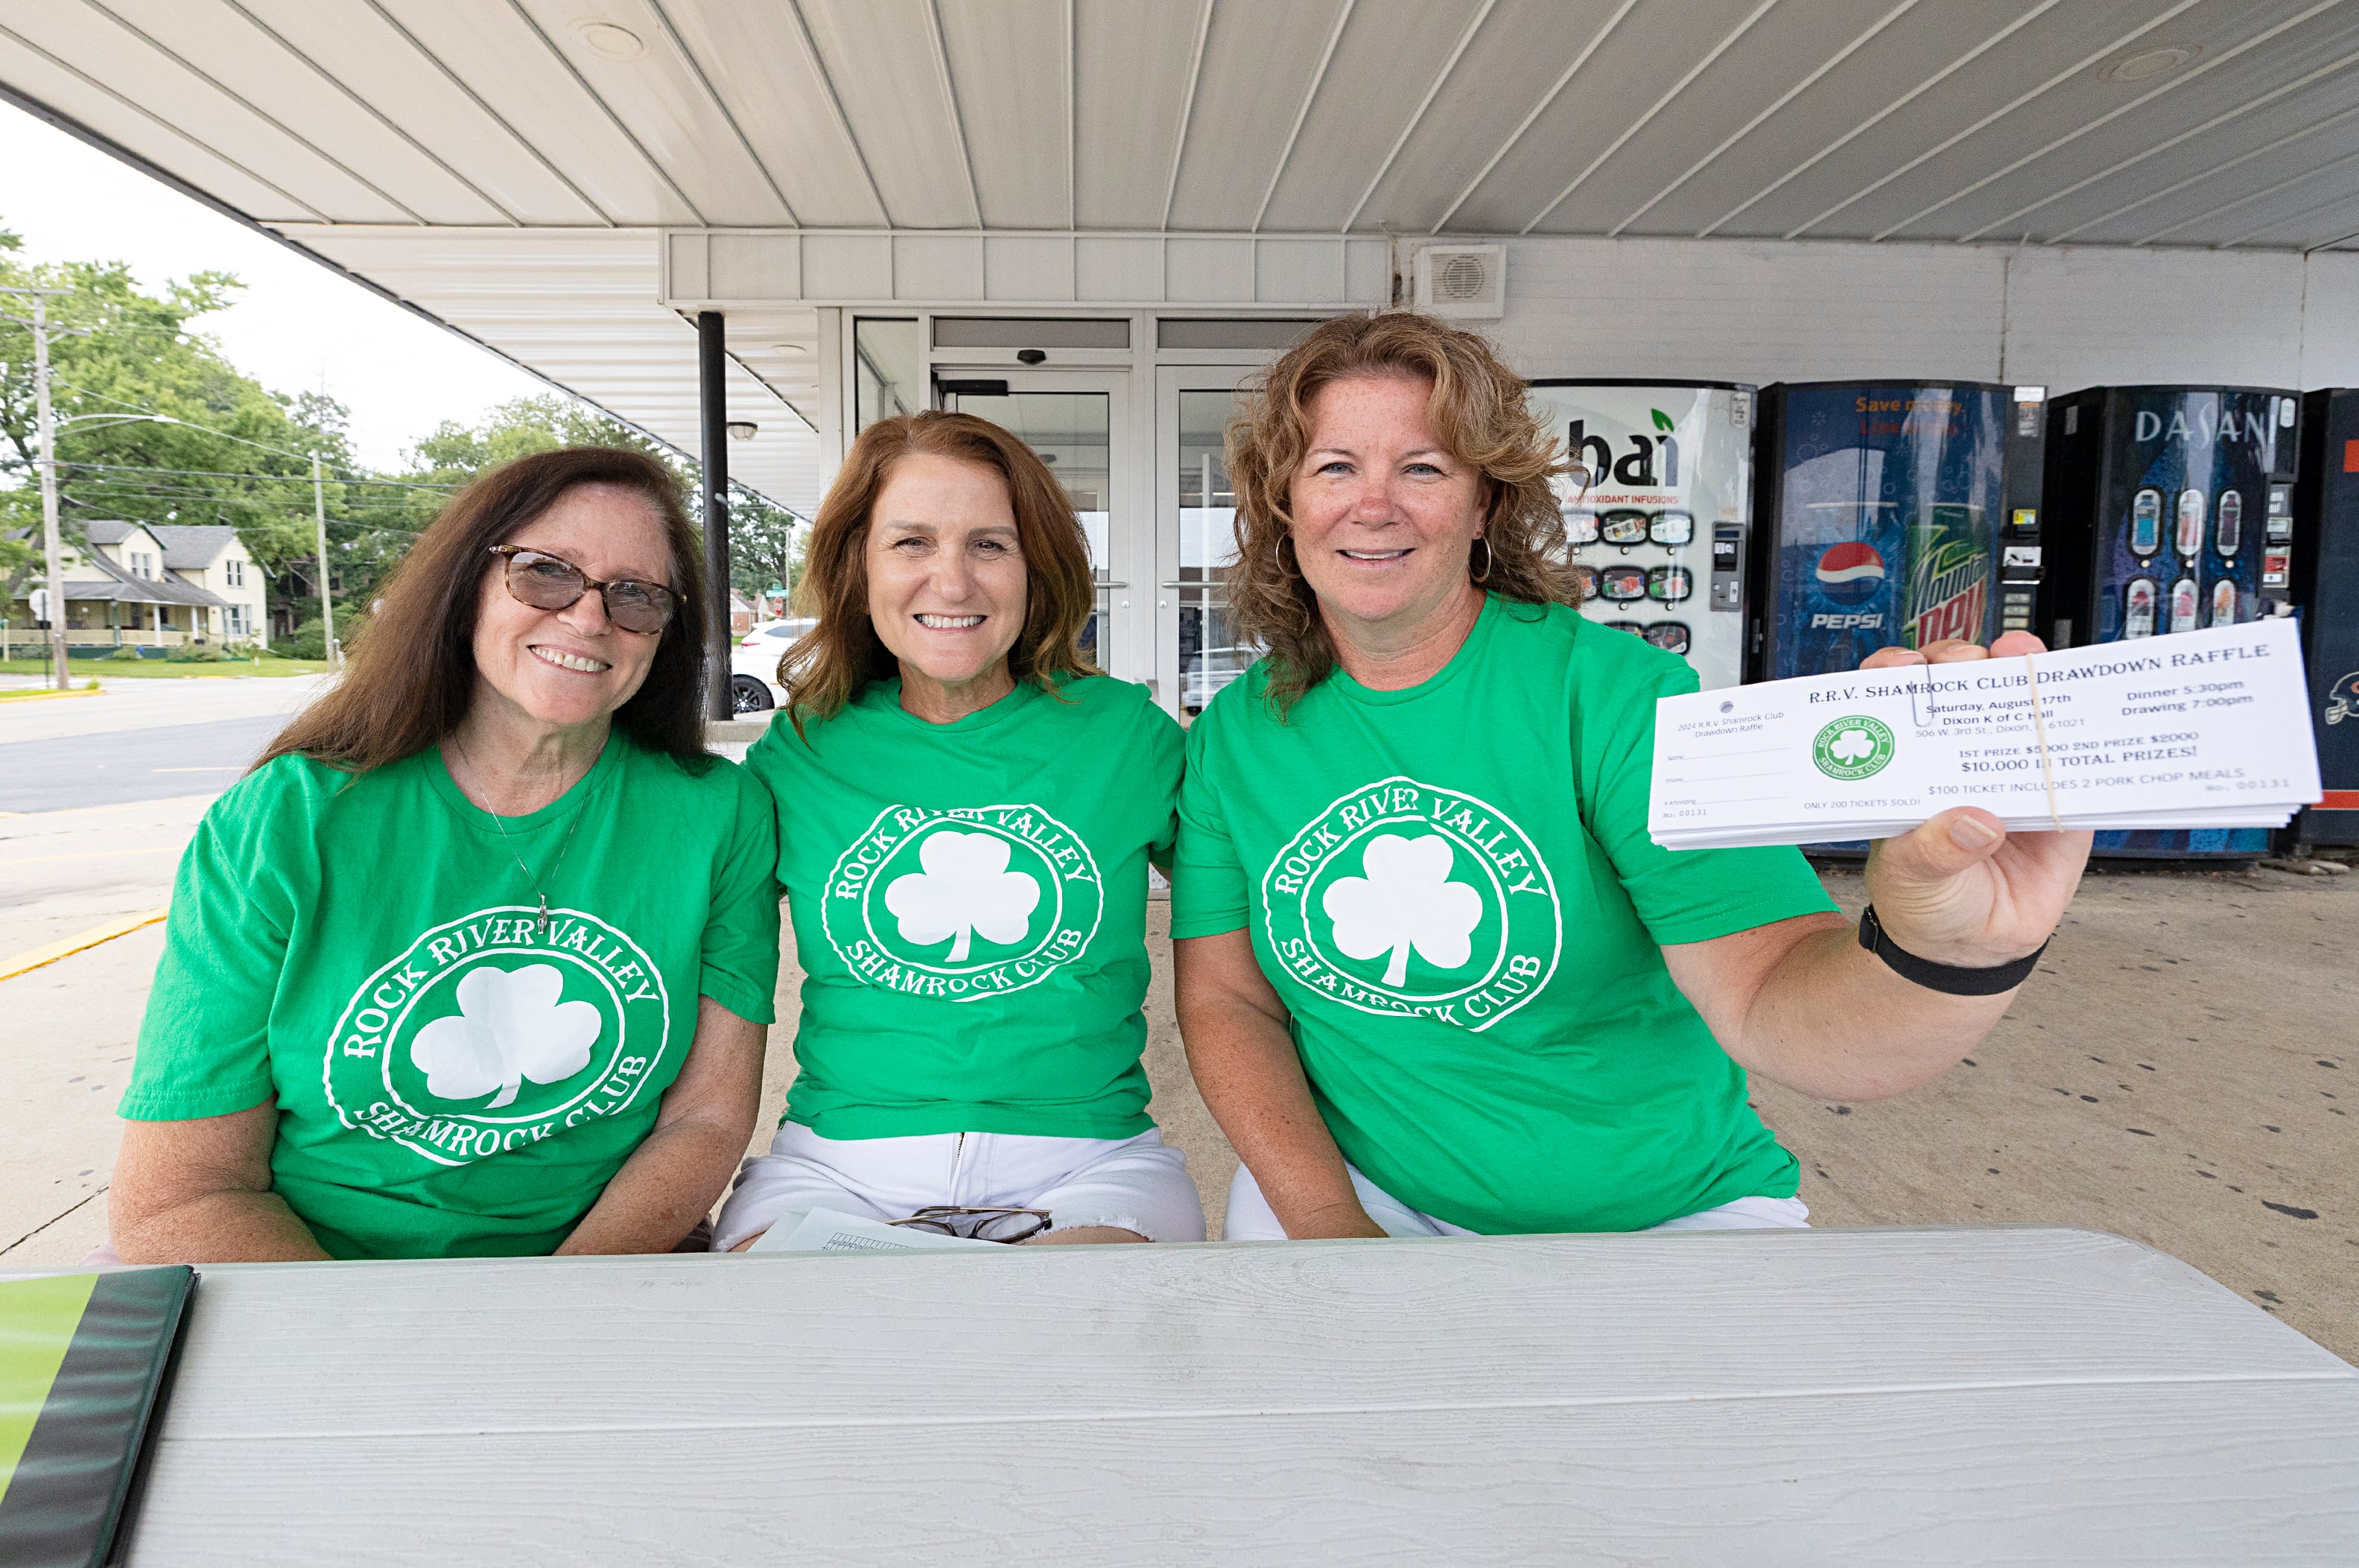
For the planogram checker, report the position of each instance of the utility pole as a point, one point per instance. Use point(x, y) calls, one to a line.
point(327, 604)
point(49, 466)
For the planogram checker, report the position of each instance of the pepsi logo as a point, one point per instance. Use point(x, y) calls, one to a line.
point(1851, 573)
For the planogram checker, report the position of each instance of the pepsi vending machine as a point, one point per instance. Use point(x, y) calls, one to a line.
point(2170, 509)
point(2325, 582)
point(1894, 513)
point(1658, 510)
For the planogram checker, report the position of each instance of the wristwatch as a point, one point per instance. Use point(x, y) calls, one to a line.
point(1948, 978)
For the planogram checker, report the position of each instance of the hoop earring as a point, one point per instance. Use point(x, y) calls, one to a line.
point(1479, 578)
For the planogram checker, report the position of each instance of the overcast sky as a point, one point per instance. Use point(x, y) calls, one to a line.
point(298, 327)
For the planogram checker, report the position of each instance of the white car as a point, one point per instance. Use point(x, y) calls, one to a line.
point(1214, 670)
point(753, 664)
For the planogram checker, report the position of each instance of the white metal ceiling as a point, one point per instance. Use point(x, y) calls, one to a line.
point(2023, 121)
point(1881, 119)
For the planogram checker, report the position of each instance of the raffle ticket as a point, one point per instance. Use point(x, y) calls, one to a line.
point(2196, 730)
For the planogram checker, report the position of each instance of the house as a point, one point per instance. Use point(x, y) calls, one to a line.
point(124, 590)
point(211, 557)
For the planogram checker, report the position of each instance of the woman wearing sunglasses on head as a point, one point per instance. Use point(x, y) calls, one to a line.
point(477, 960)
point(966, 811)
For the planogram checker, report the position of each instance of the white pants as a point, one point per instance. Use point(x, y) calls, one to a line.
point(1250, 1217)
point(1132, 1183)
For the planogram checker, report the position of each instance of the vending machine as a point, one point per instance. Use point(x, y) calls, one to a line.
point(1657, 509)
point(2170, 509)
point(1894, 513)
point(2324, 576)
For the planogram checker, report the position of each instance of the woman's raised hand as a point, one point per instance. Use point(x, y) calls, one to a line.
point(1961, 890)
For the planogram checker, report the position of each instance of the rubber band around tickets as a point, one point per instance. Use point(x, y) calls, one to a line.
point(2039, 732)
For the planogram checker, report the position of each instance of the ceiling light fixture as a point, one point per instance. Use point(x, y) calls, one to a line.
point(742, 430)
point(790, 348)
point(610, 40)
point(2148, 63)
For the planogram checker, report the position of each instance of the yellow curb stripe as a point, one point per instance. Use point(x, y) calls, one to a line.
point(47, 696)
point(33, 958)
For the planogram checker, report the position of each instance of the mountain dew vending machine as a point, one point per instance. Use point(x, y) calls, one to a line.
point(1658, 510)
point(2325, 580)
point(1893, 514)
point(2170, 509)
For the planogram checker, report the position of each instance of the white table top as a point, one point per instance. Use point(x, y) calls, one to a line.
point(1967, 1396)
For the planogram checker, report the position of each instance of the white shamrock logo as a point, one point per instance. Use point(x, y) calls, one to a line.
point(510, 1027)
point(1406, 900)
point(965, 888)
point(1852, 746)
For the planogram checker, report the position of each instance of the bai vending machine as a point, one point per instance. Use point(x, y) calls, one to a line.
point(2170, 509)
point(1658, 510)
point(1894, 513)
point(2324, 576)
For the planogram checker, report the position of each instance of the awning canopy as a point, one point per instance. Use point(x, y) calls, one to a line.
point(510, 168)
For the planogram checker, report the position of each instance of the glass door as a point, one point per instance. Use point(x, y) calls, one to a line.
point(1075, 420)
point(1197, 650)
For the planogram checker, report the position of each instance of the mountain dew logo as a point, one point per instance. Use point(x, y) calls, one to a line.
point(1948, 592)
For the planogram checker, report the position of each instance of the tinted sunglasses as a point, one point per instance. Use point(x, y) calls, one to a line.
point(552, 583)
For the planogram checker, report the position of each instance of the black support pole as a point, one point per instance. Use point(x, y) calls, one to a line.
point(712, 349)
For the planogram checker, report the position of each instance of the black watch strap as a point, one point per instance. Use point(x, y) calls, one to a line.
point(1947, 978)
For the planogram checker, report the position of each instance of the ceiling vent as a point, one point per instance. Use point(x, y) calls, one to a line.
point(1467, 282)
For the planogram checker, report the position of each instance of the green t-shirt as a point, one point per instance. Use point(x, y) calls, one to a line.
point(970, 908)
point(452, 1080)
point(1453, 889)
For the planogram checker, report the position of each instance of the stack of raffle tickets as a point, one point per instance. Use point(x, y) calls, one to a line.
point(2200, 730)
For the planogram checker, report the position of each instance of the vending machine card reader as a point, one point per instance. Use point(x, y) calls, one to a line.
point(1656, 510)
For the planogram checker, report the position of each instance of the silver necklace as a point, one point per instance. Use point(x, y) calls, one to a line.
point(540, 925)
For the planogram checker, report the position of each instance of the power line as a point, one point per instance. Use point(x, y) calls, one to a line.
point(268, 478)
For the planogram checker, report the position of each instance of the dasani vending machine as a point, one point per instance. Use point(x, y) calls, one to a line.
point(2170, 509)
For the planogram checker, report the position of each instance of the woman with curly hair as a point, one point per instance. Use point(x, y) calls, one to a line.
point(966, 813)
point(1433, 975)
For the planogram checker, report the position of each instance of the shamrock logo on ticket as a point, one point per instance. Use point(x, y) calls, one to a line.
point(1853, 748)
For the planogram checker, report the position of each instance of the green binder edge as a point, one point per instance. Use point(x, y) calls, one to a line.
point(68, 1494)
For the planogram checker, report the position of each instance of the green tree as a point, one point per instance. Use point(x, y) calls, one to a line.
point(764, 546)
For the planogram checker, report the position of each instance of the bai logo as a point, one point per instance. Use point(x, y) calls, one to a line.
point(1638, 468)
point(961, 904)
point(490, 1032)
point(1407, 900)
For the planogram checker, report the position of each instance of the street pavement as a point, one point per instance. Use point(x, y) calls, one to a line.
point(138, 739)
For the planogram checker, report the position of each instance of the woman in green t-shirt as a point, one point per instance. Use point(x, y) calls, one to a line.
point(966, 814)
point(1432, 974)
point(477, 960)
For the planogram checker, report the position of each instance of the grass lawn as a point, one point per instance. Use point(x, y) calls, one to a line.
point(160, 668)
